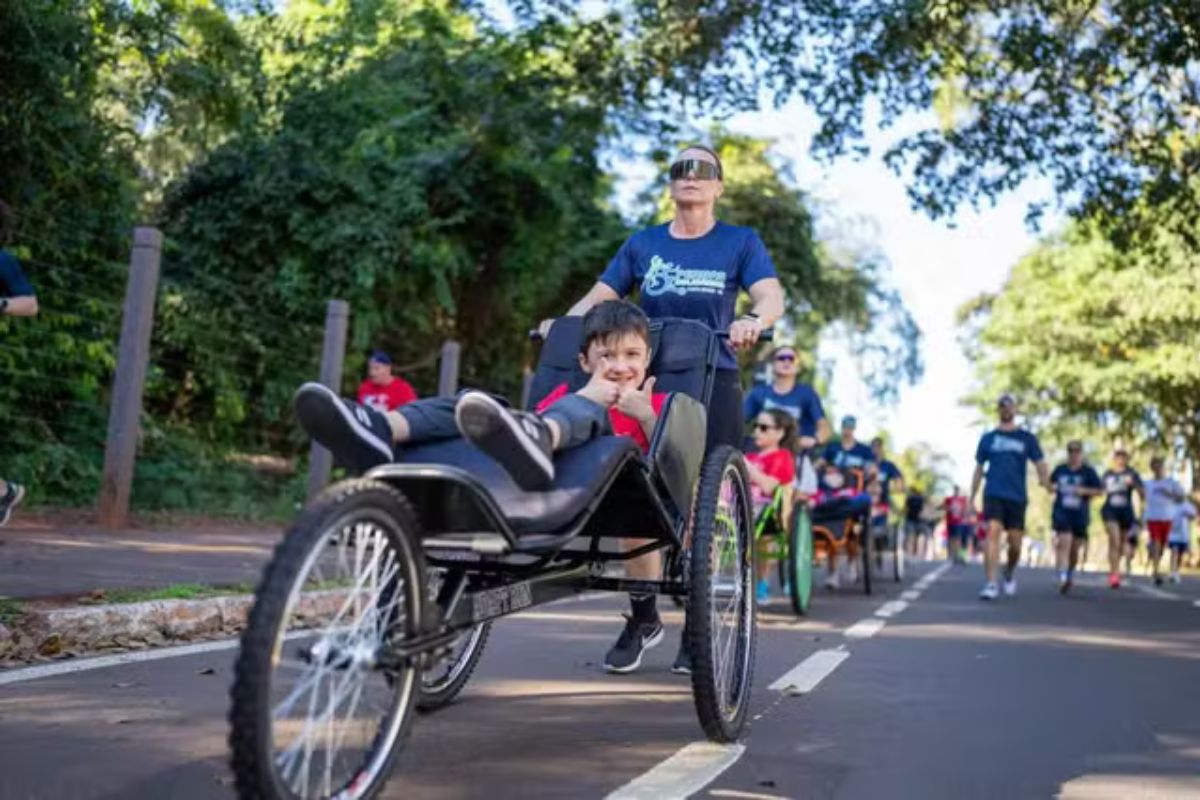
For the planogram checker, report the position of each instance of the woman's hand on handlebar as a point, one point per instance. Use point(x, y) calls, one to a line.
point(744, 332)
point(806, 443)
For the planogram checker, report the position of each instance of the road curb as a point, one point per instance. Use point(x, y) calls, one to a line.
point(42, 634)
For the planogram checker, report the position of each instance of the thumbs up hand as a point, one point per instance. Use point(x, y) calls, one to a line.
point(638, 403)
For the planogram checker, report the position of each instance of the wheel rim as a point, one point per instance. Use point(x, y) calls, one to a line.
point(335, 715)
point(731, 608)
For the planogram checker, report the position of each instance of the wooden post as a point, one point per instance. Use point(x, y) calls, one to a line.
point(448, 374)
point(133, 354)
point(333, 357)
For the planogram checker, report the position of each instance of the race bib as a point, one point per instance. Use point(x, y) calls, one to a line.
point(1072, 500)
point(1118, 500)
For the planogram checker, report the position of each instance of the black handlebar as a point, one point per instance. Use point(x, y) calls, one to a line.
point(765, 335)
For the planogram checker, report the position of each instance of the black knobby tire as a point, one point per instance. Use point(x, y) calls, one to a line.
point(867, 545)
point(722, 538)
point(433, 696)
point(343, 508)
point(800, 560)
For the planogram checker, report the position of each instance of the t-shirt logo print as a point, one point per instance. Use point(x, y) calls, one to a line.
point(664, 277)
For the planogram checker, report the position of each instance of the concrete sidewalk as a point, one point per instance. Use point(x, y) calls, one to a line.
point(53, 555)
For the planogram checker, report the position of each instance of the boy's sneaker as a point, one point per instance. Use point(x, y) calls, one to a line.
point(683, 659)
point(990, 591)
point(11, 499)
point(358, 436)
point(637, 638)
point(519, 442)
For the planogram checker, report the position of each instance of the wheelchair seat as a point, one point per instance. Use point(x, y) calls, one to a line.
point(581, 475)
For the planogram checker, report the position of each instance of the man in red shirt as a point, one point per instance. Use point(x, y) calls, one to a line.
point(382, 390)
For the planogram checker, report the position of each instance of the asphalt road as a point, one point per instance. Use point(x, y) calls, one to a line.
point(1093, 695)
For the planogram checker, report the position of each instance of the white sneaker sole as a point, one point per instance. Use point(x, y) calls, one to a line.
point(653, 641)
point(491, 427)
point(313, 403)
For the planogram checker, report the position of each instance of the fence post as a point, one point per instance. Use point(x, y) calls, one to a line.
point(448, 372)
point(333, 356)
point(133, 354)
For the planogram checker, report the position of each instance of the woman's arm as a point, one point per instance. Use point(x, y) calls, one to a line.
point(24, 306)
point(767, 296)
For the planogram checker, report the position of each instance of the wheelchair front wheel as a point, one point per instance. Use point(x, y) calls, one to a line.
point(800, 561)
point(319, 708)
point(721, 621)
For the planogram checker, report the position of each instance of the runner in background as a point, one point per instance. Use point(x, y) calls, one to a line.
point(1006, 451)
point(787, 393)
point(1163, 496)
point(916, 528)
point(1180, 540)
point(17, 299)
point(958, 525)
point(1075, 484)
point(1120, 484)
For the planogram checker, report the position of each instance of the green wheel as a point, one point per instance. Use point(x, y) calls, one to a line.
point(800, 560)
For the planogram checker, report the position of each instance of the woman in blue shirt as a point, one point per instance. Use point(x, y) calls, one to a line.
point(693, 267)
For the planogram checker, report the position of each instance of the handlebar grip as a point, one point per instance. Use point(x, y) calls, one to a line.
point(535, 335)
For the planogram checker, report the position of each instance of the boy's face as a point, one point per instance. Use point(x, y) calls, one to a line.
point(621, 359)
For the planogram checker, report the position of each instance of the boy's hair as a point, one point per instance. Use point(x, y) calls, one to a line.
point(612, 320)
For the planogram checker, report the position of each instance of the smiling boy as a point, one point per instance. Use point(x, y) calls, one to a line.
point(618, 398)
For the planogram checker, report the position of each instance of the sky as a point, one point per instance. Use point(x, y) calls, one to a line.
point(935, 265)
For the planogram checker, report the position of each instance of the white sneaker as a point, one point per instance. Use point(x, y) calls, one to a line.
point(1175, 578)
point(989, 592)
point(1010, 587)
point(832, 581)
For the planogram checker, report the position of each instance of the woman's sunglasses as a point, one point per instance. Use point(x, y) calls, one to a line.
point(758, 426)
point(785, 357)
point(696, 169)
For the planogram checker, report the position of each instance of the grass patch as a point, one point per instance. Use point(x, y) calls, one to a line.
point(10, 610)
point(176, 591)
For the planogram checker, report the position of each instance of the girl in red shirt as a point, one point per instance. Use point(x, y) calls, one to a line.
point(774, 465)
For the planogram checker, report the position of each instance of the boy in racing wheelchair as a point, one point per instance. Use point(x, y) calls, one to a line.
point(617, 399)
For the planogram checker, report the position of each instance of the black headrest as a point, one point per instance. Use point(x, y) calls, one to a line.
point(684, 355)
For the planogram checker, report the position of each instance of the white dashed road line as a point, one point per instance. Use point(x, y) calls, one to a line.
point(683, 774)
point(1151, 591)
point(910, 595)
point(865, 628)
point(805, 676)
point(891, 608)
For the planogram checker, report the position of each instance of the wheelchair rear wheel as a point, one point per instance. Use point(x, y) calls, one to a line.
point(867, 547)
point(318, 707)
point(899, 556)
point(721, 621)
point(800, 560)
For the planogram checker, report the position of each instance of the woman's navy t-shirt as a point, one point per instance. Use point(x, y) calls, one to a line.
point(691, 278)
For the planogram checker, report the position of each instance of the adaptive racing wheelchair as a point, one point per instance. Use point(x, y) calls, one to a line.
point(835, 526)
point(378, 601)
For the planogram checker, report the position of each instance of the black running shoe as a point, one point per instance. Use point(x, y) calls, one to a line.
point(519, 442)
point(683, 659)
point(11, 499)
point(359, 437)
point(637, 638)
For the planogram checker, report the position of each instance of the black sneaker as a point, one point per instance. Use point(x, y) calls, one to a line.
point(359, 437)
point(683, 659)
point(637, 638)
point(11, 499)
point(519, 442)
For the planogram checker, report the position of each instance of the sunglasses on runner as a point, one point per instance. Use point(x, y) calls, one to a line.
point(785, 357)
point(758, 426)
point(696, 169)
